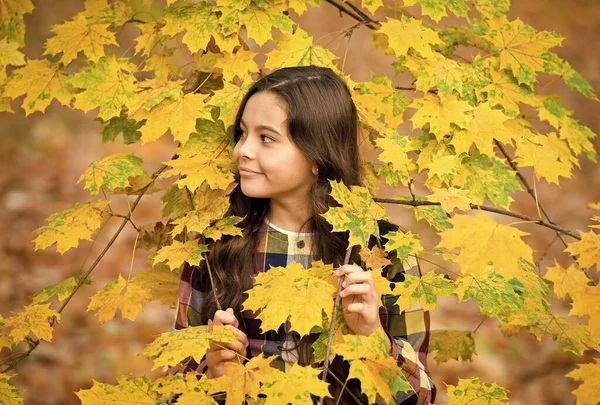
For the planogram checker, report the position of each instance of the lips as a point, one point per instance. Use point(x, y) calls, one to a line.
point(246, 170)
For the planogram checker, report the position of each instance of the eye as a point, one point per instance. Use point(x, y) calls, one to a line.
point(264, 137)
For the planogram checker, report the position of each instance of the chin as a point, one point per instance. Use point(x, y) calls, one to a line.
point(253, 192)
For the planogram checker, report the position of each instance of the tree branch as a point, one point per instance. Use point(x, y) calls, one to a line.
point(485, 208)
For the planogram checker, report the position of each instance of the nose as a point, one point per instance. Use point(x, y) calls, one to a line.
point(246, 148)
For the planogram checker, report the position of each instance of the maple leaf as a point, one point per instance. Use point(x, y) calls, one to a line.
point(42, 82)
point(566, 281)
point(379, 96)
point(436, 9)
point(281, 294)
point(122, 124)
point(224, 226)
point(65, 228)
point(298, 50)
point(588, 249)
point(111, 172)
point(198, 21)
point(9, 55)
point(437, 157)
point(520, 47)
point(119, 294)
point(79, 35)
point(371, 5)
point(378, 373)
point(434, 215)
point(486, 177)
point(209, 205)
point(153, 91)
point(5, 339)
point(203, 159)
point(358, 214)
point(374, 258)
point(294, 386)
point(228, 100)
point(485, 126)
point(495, 294)
point(439, 72)
point(179, 115)
point(579, 137)
point(179, 252)
point(259, 21)
point(191, 389)
point(10, 395)
point(299, 6)
point(151, 35)
point(238, 64)
point(406, 32)
point(440, 114)
point(423, 290)
point(15, 7)
point(555, 65)
point(507, 93)
point(549, 155)
point(61, 290)
point(36, 318)
point(176, 201)
point(107, 86)
point(483, 241)
point(473, 391)
point(589, 375)
point(175, 346)
point(452, 344)
point(163, 285)
point(403, 243)
point(585, 302)
point(129, 390)
point(451, 198)
point(395, 152)
point(491, 9)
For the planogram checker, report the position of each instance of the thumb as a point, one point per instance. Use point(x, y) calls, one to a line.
point(229, 310)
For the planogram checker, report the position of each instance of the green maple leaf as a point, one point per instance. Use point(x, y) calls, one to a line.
point(473, 391)
point(9, 393)
point(61, 290)
point(358, 214)
point(122, 125)
point(436, 9)
point(198, 21)
point(423, 290)
point(111, 172)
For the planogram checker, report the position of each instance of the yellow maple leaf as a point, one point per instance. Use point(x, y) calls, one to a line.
point(452, 344)
point(549, 155)
point(79, 34)
point(294, 386)
point(406, 32)
point(423, 290)
point(171, 348)
point(42, 82)
point(9, 8)
point(281, 293)
point(179, 252)
point(179, 115)
point(65, 228)
point(9, 55)
point(5, 339)
point(10, 395)
point(224, 226)
point(358, 213)
point(151, 35)
point(106, 85)
point(374, 258)
point(437, 71)
point(579, 137)
point(237, 64)
point(588, 249)
point(119, 294)
point(404, 243)
point(395, 153)
point(483, 241)
point(520, 47)
point(152, 92)
point(474, 392)
point(259, 21)
point(566, 281)
point(378, 373)
point(36, 318)
point(589, 375)
point(503, 91)
point(440, 114)
point(197, 20)
point(228, 100)
point(163, 285)
point(298, 50)
point(111, 172)
point(129, 390)
point(585, 302)
point(451, 198)
point(380, 96)
point(61, 290)
point(484, 126)
point(300, 5)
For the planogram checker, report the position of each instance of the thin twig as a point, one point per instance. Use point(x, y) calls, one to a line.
point(334, 316)
point(351, 14)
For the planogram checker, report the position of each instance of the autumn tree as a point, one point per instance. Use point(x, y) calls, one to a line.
point(469, 142)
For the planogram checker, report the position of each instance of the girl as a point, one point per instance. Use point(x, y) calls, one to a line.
point(295, 129)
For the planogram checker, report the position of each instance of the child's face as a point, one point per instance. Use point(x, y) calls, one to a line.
point(283, 172)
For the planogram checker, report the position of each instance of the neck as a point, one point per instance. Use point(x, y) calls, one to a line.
point(289, 215)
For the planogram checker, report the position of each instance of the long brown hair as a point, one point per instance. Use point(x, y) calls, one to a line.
point(323, 124)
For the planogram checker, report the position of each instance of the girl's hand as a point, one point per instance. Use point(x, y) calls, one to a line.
point(360, 300)
point(219, 353)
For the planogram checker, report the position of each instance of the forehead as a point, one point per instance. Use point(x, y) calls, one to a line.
point(265, 108)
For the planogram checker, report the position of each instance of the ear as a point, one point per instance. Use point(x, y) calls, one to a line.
point(315, 170)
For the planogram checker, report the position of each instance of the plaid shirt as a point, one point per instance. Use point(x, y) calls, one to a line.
point(408, 330)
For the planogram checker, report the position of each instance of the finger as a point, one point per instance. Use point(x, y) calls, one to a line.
point(347, 269)
point(225, 318)
point(363, 290)
point(219, 356)
point(356, 308)
point(241, 336)
point(357, 278)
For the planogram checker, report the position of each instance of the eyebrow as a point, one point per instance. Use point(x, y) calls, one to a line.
point(261, 127)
